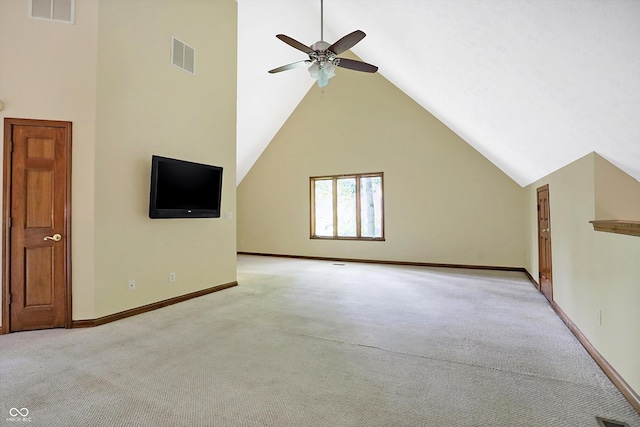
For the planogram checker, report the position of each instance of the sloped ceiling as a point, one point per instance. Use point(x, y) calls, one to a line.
point(531, 84)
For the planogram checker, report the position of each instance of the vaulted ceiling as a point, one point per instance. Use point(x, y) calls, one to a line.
point(531, 84)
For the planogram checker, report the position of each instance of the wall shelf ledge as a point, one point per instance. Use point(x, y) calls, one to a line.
point(631, 228)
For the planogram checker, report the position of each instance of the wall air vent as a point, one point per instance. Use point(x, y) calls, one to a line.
point(183, 56)
point(53, 10)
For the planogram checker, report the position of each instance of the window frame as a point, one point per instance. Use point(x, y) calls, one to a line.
point(335, 179)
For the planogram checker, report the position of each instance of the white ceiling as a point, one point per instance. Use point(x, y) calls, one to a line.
point(531, 84)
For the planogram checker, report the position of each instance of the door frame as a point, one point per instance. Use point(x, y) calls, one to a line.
point(9, 123)
point(550, 260)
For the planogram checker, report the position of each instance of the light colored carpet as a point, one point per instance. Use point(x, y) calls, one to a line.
point(311, 343)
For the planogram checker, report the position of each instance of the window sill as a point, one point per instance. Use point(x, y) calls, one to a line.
point(631, 228)
point(359, 239)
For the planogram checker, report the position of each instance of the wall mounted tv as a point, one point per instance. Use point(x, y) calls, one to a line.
point(182, 189)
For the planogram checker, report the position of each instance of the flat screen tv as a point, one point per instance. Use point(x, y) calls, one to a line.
point(182, 189)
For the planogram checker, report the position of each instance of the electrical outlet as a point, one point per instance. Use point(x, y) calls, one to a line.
point(599, 317)
point(132, 285)
point(172, 277)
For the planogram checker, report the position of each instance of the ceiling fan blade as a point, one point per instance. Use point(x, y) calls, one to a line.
point(355, 65)
point(290, 66)
point(294, 43)
point(347, 42)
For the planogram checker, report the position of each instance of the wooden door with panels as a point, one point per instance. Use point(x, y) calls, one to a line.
point(544, 243)
point(37, 223)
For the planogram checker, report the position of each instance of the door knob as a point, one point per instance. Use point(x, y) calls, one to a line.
point(56, 237)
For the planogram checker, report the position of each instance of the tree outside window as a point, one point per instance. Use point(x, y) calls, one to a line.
point(347, 207)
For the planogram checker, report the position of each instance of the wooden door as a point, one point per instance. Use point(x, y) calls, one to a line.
point(544, 243)
point(37, 224)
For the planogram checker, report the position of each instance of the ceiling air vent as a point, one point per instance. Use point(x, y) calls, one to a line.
point(53, 10)
point(183, 56)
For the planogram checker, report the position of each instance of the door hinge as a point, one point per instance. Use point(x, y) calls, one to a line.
point(10, 146)
point(9, 298)
point(10, 222)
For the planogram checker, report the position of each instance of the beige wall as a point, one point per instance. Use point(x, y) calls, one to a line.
point(617, 194)
point(110, 74)
point(594, 271)
point(444, 202)
point(147, 106)
point(48, 71)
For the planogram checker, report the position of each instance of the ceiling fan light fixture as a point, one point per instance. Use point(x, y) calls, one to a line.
point(322, 72)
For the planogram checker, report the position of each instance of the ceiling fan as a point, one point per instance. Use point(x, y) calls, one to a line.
point(323, 57)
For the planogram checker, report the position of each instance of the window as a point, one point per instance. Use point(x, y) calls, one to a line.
point(347, 207)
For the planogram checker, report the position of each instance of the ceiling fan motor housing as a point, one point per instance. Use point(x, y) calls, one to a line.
point(321, 53)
